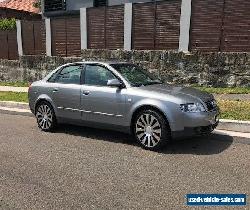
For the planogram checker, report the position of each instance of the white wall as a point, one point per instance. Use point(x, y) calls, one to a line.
point(77, 4)
point(117, 2)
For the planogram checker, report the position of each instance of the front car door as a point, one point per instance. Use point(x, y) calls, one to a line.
point(66, 91)
point(100, 102)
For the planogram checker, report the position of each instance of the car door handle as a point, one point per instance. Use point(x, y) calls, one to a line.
point(55, 90)
point(86, 93)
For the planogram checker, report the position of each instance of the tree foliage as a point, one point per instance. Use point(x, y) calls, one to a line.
point(37, 4)
point(7, 24)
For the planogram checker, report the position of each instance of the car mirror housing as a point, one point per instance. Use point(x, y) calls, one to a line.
point(114, 83)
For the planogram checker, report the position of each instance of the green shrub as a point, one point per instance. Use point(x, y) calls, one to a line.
point(7, 24)
point(37, 4)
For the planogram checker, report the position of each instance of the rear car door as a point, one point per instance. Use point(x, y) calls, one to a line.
point(100, 102)
point(66, 92)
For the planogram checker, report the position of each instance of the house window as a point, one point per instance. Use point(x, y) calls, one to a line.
point(54, 5)
point(100, 3)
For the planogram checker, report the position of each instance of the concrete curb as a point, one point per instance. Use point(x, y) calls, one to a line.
point(234, 125)
point(18, 108)
point(15, 108)
point(18, 105)
point(15, 111)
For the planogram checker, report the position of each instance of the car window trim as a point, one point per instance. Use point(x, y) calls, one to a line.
point(97, 64)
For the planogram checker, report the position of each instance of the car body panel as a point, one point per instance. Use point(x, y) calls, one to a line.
point(104, 104)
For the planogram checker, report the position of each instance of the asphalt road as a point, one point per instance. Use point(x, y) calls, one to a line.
point(83, 168)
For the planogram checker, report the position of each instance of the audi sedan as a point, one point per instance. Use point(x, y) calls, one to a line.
point(123, 97)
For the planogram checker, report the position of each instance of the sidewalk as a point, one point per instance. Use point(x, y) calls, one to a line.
point(14, 89)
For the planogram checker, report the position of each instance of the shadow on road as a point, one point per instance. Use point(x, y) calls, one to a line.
point(200, 145)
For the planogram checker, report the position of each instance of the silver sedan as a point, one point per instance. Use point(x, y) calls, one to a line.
point(123, 97)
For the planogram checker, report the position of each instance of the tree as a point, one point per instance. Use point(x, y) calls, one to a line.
point(37, 4)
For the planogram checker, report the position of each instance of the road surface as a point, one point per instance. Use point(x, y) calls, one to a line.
point(84, 168)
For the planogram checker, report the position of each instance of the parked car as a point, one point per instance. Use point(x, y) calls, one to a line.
point(124, 97)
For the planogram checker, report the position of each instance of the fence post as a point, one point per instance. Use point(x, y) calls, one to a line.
point(128, 20)
point(84, 28)
point(186, 10)
point(48, 36)
point(19, 37)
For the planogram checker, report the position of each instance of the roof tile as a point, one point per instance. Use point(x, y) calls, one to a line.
point(24, 5)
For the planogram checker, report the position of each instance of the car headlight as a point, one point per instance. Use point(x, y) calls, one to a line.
point(192, 107)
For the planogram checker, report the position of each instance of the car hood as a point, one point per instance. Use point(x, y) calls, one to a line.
point(185, 93)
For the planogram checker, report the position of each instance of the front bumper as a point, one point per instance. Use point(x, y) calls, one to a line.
point(196, 124)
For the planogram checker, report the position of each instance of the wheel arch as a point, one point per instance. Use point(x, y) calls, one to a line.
point(44, 98)
point(147, 107)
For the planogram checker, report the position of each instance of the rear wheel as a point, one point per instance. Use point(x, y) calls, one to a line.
point(45, 116)
point(151, 129)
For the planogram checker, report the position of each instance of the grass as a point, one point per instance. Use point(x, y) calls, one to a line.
point(227, 90)
point(15, 84)
point(234, 110)
point(12, 96)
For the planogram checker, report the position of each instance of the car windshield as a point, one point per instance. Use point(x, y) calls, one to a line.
point(136, 75)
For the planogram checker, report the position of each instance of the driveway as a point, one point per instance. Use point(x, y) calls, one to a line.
point(84, 168)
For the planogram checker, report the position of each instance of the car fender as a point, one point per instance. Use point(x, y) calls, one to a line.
point(167, 108)
point(46, 98)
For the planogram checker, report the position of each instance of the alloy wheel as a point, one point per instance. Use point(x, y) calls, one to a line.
point(44, 117)
point(148, 130)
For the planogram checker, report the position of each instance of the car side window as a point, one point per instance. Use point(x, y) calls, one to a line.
point(97, 75)
point(69, 75)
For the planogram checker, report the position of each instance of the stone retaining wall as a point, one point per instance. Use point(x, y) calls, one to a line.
point(213, 69)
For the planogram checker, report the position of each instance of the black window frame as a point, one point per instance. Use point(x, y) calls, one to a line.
point(49, 5)
point(99, 3)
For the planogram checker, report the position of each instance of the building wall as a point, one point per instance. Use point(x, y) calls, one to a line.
point(118, 2)
point(76, 4)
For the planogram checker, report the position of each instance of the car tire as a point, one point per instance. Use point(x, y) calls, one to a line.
point(45, 115)
point(151, 130)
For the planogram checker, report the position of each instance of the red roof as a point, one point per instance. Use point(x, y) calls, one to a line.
point(23, 5)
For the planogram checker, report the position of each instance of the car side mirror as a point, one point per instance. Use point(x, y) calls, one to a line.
point(114, 83)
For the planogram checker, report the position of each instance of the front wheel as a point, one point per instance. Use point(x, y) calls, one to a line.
point(151, 129)
point(45, 116)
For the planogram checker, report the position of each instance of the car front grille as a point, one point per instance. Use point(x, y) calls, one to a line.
point(211, 105)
